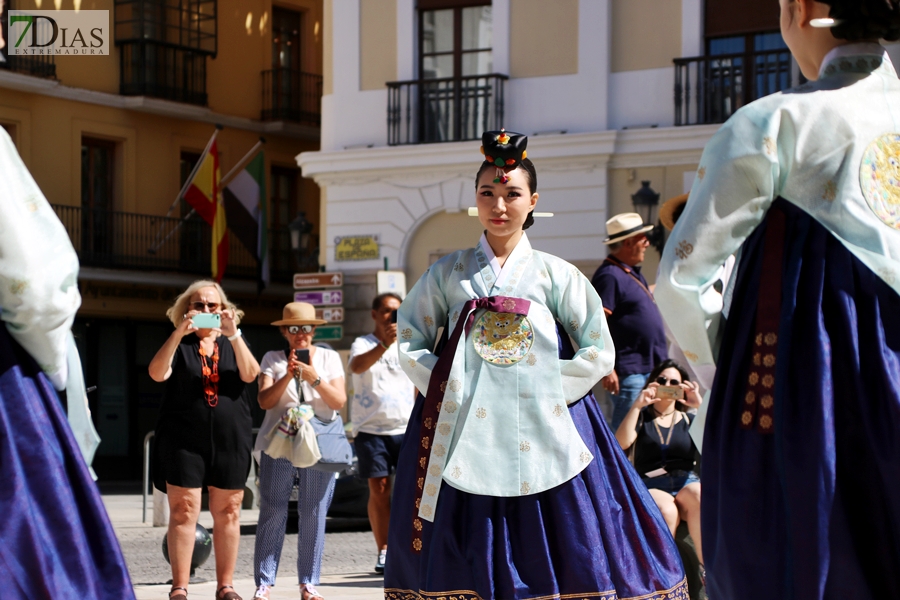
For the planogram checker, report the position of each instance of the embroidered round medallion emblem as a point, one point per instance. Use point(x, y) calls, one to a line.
point(502, 338)
point(879, 178)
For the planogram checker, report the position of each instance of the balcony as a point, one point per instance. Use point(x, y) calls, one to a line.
point(291, 95)
point(38, 65)
point(709, 89)
point(164, 71)
point(120, 240)
point(451, 109)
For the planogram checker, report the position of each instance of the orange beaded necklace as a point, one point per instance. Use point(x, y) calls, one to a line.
point(210, 375)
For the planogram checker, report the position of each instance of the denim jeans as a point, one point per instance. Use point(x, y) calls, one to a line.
point(629, 388)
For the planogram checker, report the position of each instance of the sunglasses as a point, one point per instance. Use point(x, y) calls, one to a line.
point(295, 329)
point(212, 306)
point(663, 380)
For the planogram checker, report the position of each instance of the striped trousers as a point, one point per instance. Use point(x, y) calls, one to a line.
point(277, 476)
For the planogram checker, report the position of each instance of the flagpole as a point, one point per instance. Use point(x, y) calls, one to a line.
point(226, 179)
point(187, 183)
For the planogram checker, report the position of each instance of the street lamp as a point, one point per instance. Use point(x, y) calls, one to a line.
point(300, 230)
point(645, 200)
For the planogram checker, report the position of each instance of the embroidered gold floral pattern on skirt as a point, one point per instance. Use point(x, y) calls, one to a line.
point(679, 592)
point(502, 338)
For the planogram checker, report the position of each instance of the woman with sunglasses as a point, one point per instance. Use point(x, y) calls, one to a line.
point(204, 432)
point(288, 379)
point(664, 454)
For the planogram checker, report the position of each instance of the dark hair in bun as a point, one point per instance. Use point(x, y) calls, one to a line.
point(865, 19)
point(531, 173)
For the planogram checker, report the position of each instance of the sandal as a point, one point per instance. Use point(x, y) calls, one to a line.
point(262, 592)
point(308, 592)
point(232, 595)
point(178, 596)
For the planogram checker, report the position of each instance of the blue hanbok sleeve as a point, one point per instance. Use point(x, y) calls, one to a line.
point(736, 182)
point(580, 310)
point(423, 311)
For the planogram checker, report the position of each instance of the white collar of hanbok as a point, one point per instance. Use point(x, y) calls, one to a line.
point(844, 50)
point(502, 274)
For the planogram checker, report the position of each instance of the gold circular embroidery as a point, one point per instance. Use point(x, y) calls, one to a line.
point(431, 489)
point(750, 398)
point(444, 386)
point(439, 450)
point(759, 339)
point(417, 523)
point(585, 457)
point(451, 406)
point(417, 544)
point(757, 359)
point(422, 461)
point(425, 443)
point(481, 412)
point(502, 338)
point(427, 511)
point(769, 360)
point(768, 381)
point(444, 429)
point(765, 422)
point(771, 339)
point(420, 482)
point(428, 321)
point(754, 378)
point(435, 471)
point(879, 177)
point(595, 335)
point(455, 385)
point(428, 422)
point(746, 418)
point(509, 304)
point(524, 446)
point(767, 401)
point(406, 334)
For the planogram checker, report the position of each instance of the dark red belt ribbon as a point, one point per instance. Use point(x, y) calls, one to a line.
point(759, 401)
point(438, 384)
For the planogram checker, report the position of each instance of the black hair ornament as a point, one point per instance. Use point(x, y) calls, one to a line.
point(506, 151)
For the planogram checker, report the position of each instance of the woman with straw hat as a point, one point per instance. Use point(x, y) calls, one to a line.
point(287, 382)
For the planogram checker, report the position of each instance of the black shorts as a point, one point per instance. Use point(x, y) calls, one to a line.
point(187, 466)
point(377, 454)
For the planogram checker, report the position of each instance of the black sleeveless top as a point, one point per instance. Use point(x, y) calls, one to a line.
point(649, 454)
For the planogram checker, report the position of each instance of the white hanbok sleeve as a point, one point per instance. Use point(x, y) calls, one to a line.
point(738, 178)
point(422, 312)
point(38, 268)
point(580, 310)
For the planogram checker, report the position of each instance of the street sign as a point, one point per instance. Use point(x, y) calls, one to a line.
point(328, 297)
point(307, 281)
point(328, 333)
point(391, 281)
point(332, 315)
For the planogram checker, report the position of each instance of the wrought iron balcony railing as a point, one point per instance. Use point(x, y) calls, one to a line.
point(162, 71)
point(451, 109)
point(709, 89)
point(122, 240)
point(291, 95)
point(39, 65)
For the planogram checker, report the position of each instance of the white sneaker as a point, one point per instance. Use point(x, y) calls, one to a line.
point(379, 563)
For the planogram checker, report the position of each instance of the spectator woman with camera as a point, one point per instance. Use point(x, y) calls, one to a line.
point(203, 436)
point(308, 375)
point(655, 433)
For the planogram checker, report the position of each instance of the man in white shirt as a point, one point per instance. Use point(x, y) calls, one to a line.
point(383, 398)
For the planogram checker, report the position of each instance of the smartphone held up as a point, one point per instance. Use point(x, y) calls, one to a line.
point(670, 392)
point(302, 354)
point(206, 321)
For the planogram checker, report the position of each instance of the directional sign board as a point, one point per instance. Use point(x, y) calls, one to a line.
point(323, 298)
point(391, 281)
point(332, 315)
point(309, 281)
point(328, 333)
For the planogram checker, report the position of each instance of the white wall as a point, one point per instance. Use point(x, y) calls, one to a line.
point(642, 98)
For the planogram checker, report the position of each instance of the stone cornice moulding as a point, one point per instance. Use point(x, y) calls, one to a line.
point(155, 106)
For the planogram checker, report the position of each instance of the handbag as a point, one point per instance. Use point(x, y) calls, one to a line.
point(337, 455)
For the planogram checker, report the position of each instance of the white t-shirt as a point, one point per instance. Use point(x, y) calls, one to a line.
point(383, 396)
point(327, 364)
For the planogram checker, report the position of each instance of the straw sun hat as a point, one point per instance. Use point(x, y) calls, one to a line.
point(667, 212)
point(299, 313)
point(624, 226)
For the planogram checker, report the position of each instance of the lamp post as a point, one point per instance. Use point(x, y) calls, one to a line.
point(645, 200)
point(300, 230)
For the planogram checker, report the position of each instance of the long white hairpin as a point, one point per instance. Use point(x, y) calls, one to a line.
point(824, 23)
point(473, 212)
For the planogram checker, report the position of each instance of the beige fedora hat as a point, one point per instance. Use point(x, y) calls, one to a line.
point(669, 208)
point(299, 313)
point(624, 226)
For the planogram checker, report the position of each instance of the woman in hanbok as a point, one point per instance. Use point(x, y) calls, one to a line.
point(510, 484)
point(801, 453)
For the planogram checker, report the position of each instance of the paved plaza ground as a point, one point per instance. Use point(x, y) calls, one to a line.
point(346, 570)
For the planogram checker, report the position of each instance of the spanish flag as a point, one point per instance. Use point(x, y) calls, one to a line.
point(205, 196)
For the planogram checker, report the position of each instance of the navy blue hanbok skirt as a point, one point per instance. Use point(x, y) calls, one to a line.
point(56, 540)
point(811, 511)
point(599, 535)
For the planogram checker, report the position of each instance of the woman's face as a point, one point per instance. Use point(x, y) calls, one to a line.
point(206, 300)
point(300, 339)
point(503, 207)
point(671, 374)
